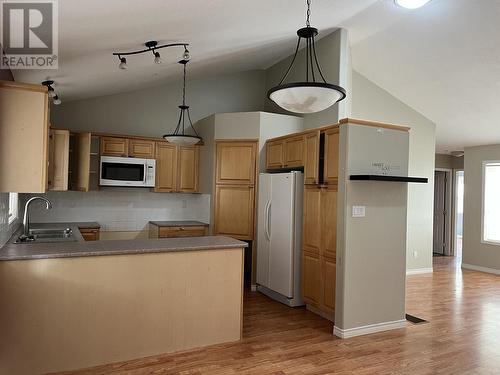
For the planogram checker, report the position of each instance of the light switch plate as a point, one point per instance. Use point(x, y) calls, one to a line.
point(358, 211)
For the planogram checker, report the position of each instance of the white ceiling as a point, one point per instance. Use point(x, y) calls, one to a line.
point(225, 36)
point(442, 59)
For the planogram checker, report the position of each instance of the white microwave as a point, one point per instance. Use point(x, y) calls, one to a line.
point(132, 172)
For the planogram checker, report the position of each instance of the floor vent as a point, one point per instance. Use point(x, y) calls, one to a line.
point(415, 320)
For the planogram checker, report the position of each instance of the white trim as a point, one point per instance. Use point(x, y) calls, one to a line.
point(483, 186)
point(419, 271)
point(480, 269)
point(253, 287)
point(369, 329)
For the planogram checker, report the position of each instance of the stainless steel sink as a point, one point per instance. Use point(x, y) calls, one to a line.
point(47, 235)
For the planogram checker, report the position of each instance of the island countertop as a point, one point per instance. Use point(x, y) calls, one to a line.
point(182, 223)
point(81, 248)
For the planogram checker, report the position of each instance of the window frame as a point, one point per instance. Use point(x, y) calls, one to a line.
point(485, 163)
point(13, 216)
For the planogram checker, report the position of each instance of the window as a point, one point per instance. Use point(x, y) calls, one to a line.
point(491, 202)
point(13, 206)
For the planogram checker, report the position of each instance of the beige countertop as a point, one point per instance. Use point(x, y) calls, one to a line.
point(81, 248)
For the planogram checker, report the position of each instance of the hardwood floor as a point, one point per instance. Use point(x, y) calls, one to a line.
point(462, 337)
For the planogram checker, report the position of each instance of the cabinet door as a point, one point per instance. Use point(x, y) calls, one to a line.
point(329, 272)
point(236, 162)
point(331, 168)
point(166, 167)
point(311, 236)
point(311, 162)
point(294, 152)
point(171, 232)
point(275, 154)
point(58, 160)
point(90, 234)
point(138, 148)
point(329, 222)
point(234, 211)
point(114, 146)
point(80, 166)
point(311, 278)
point(187, 174)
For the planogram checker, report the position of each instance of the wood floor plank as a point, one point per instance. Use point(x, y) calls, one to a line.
point(462, 337)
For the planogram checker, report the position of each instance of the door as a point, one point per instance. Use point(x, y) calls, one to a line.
point(80, 175)
point(166, 167)
point(440, 189)
point(236, 162)
point(234, 211)
point(263, 235)
point(187, 176)
point(275, 154)
point(281, 230)
point(294, 152)
point(329, 222)
point(114, 146)
point(311, 235)
point(329, 272)
point(331, 166)
point(311, 278)
point(311, 162)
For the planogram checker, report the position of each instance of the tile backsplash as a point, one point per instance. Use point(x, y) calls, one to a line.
point(120, 209)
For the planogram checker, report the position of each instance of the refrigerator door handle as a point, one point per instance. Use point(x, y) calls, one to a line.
point(266, 223)
point(268, 226)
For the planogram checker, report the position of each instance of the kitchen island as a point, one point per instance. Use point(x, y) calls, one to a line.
point(70, 305)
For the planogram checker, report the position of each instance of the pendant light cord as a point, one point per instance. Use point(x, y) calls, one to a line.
point(184, 87)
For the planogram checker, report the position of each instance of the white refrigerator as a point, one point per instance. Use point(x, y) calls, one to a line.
point(279, 236)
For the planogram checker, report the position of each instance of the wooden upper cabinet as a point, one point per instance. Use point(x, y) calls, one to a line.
point(294, 152)
point(311, 235)
point(114, 146)
point(80, 161)
point(311, 278)
point(311, 158)
point(331, 163)
point(166, 167)
point(275, 154)
point(138, 148)
point(58, 160)
point(234, 211)
point(24, 137)
point(187, 170)
point(236, 162)
point(329, 222)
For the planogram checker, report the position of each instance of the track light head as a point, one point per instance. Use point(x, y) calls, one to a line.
point(123, 63)
point(56, 100)
point(158, 59)
point(51, 91)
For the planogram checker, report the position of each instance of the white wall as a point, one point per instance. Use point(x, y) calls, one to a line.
point(475, 252)
point(371, 102)
point(121, 209)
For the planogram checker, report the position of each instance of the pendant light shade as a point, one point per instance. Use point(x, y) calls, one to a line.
point(308, 96)
point(179, 137)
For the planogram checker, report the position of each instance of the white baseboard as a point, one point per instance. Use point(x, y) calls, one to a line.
point(419, 271)
point(366, 330)
point(480, 269)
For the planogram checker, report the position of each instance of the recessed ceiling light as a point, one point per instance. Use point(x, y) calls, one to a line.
point(411, 4)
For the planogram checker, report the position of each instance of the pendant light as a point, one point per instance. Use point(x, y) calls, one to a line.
point(308, 96)
point(179, 137)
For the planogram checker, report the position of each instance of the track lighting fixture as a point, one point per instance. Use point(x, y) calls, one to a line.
point(151, 46)
point(311, 95)
point(123, 63)
point(51, 92)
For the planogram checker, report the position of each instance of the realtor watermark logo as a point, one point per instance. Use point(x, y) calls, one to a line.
point(29, 34)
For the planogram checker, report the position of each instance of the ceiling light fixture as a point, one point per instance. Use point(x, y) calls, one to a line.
point(151, 46)
point(307, 96)
point(179, 137)
point(51, 92)
point(411, 4)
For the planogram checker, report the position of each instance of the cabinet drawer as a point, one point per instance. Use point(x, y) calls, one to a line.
point(169, 232)
point(141, 149)
point(90, 234)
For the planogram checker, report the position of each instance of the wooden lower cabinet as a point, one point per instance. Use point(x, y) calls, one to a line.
point(329, 274)
point(311, 234)
point(311, 278)
point(90, 234)
point(234, 211)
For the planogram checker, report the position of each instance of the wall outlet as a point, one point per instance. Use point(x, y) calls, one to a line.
point(415, 254)
point(358, 211)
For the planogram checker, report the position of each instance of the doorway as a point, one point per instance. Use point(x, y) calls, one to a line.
point(459, 213)
point(443, 188)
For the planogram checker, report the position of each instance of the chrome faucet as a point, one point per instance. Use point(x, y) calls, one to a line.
point(26, 219)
